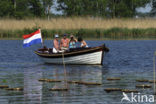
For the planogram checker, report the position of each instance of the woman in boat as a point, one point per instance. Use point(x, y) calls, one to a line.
point(56, 47)
point(72, 42)
point(64, 42)
point(83, 44)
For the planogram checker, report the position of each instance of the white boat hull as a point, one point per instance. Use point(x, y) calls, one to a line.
point(89, 58)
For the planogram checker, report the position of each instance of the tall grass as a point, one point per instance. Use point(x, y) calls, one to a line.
point(113, 33)
point(77, 23)
point(92, 28)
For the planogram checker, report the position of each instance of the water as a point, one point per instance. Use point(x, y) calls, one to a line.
point(20, 67)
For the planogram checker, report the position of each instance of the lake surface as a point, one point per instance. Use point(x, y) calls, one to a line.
point(20, 67)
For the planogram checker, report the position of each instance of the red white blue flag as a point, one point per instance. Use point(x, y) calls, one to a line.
point(33, 38)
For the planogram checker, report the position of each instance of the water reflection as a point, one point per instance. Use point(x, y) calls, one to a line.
point(32, 87)
point(35, 91)
point(85, 73)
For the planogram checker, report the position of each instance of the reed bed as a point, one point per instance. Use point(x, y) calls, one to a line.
point(114, 33)
point(89, 28)
point(77, 23)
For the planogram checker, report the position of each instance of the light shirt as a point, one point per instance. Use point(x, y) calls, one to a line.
point(72, 44)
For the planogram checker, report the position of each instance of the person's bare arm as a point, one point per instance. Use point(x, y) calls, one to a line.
point(75, 39)
point(84, 44)
point(61, 43)
point(55, 46)
point(68, 43)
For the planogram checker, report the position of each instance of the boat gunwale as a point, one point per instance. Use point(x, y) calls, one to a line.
point(94, 49)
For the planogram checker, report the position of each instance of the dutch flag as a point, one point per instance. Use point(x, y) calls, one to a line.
point(33, 38)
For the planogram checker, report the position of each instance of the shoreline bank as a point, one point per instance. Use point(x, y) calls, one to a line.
point(90, 34)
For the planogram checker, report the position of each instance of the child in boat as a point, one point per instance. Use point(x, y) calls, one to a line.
point(56, 47)
point(83, 44)
point(72, 42)
point(64, 42)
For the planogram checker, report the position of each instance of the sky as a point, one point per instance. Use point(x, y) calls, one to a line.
point(145, 9)
point(53, 9)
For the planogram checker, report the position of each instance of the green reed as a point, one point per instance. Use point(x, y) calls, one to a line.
point(113, 33)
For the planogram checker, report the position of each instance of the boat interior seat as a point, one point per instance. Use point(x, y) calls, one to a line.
point(50, 50)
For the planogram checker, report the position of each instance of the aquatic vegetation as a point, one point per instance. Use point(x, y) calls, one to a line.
point(110, 79)
point(152, 81)
point(84, 83)
point(129, 91)
point(15, 89)
point(89, 28)
point(122, 90)
point(53, 80)
point(72, 23)
point(50, 80)
point(43, 67)
point(75, 82)
point(58, 89)
point(43, 80)
point(142, 80)
point(4, 86)
point(143, 86)
point(112, 89)
point(89, 83)
point(4, 81)
point(113, 33)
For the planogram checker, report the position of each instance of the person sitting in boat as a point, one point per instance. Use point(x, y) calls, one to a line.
point(82, 43)
point(64, 42)
point(72, 42)
point(56, 47)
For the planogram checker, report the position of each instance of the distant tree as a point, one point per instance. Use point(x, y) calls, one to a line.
point(82, 7)
point(47, 4)
point(36, 8)
point(25, 8)
point(41, 8)
point(153, 11)
point(70, 7)
point(95, 7)
point(6, 8)
point(112, 8)
point(14, 3)
point(124, 8)
point(22, 9)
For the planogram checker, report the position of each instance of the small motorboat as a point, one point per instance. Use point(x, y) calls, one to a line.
point(90, 55)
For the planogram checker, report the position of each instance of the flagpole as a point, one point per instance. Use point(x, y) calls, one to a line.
point(42, 38)
point(154, 72)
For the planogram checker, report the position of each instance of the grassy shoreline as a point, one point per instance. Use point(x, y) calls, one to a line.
point(87, 27)
point(86, 39)
point(99, 34)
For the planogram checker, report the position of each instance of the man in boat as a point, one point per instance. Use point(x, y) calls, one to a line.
point(64, 42)
point(56, 47)
point(82, 43)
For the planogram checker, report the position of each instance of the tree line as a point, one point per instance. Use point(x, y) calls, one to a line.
point(25, 8)
point(42, 8)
